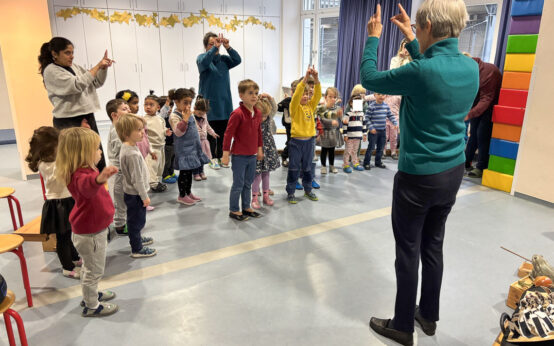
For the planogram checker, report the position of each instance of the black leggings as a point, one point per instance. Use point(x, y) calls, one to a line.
point(216, 145)
point(184, 182)
point(331, 152)
point(66, 251)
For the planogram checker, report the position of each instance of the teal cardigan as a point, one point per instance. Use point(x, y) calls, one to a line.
point(214, 81)
point(438, 89)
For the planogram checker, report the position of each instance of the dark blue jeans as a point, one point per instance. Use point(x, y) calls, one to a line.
point(301, 154)
point(244, 171)
point(379, 139)
point(480, 138)
point(136, 218)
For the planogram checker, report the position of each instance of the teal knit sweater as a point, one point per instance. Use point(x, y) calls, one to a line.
point(438, 90)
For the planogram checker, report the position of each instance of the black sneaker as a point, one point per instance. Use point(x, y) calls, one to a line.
point(251, 213)
point(238, 217)
point(428, 327)
point(122, 230)
point(380, 165)
point(159, 188)
point(382, 327)
point(367, 167)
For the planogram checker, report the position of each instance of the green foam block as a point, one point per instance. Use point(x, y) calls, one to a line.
point(522, 43)
point(502, 164)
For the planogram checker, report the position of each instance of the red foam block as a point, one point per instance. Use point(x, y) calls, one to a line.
point(513, 98)
point(508, 115)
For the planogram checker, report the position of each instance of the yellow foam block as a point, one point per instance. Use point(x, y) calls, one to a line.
point(498, 181)
point(519, 62)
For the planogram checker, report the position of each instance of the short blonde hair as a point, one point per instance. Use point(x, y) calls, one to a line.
point(447, 17)
point(77, 148)
point(264, 106)
point(358, 89)
point(333, 90)
point(126, 124)
point(246, 84)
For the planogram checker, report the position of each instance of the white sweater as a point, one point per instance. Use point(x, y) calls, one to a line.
point(72, 95)
point(55, 189)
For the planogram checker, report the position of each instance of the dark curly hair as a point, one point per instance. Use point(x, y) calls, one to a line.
point(42, 146)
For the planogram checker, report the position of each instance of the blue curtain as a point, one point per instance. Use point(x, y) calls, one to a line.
point(503, 31)
point(353, 18)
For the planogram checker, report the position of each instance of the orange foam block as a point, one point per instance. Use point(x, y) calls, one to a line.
point(507, 132)
point(513, 98)
point(508, 115)
point(519, 62)
point(516, 80)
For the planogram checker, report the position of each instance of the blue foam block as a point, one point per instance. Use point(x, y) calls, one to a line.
point(527, 8)
point(502, 148)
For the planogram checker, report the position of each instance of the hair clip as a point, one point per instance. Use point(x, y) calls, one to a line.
point(126, 96)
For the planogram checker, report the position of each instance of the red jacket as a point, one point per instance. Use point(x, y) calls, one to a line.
point(93, 210)
point(490, 80)
point(246, 130)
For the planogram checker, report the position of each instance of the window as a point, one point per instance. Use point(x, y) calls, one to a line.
point(320, 28)
point(478, 36)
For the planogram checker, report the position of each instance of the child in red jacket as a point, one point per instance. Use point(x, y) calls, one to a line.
point(78, 153)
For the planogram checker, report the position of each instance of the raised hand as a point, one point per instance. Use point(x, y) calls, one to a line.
point(315, 74)
point(374, 26)
point(106, 173)
point(105, 62)
point(402, 21)
point(224, 41)
point(217, 41)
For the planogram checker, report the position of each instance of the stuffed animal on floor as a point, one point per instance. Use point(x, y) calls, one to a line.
point(541, 268)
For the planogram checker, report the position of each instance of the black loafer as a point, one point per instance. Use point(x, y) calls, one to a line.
point(238, 217)
point(251, 213)
point(428, 327)
point(381, 327)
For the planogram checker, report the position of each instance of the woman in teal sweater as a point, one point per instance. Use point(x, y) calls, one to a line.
point(438, 89)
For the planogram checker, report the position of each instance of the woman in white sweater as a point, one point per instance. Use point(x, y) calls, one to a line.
point(71, 88)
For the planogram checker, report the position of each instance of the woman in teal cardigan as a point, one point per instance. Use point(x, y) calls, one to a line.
point(215, 86)
point(438, 89)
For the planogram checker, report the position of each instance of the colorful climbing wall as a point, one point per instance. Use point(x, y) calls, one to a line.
point(509, 113)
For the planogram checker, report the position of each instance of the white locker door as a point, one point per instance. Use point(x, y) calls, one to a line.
point(253, 8)
point(149, 58)
point(272, 58)
point(214, 6)
point(69, 3)
point(192, 38)
point(191, 6)
point(272, 8)
point(172, 47)
point(170, 6)
point(236, 40)
point(124, 48)
point(234, 7)
point(145, 5)
point(120, 4)
point(97, 36)
point(94, 3)
point(72, 29)
point(253, 58)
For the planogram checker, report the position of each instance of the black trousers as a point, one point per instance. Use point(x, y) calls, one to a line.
point(66, 251)
point(420, 207)
point(169, 157)
point(64, 123)
point(285, 152)
point(480, 138)
point(216, 144)
point(324, 152)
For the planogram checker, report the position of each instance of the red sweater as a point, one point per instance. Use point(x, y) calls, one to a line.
point(246, 131)
point(93, 210)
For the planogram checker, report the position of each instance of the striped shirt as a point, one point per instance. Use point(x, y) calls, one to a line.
point(377, 115)
point(355, 128)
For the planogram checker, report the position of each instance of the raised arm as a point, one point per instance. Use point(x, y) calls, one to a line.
point(205, 60)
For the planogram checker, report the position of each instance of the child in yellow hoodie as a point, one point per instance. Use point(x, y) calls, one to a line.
point(302, 112)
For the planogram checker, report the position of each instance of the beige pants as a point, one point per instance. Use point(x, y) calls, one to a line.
point(351, 152)
point(92, 248)
point(156, 167)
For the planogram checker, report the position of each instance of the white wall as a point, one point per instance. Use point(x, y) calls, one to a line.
point(5, 110)
point(291, 41)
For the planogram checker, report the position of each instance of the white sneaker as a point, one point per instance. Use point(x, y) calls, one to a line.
point(334, 170)
point(323, 170)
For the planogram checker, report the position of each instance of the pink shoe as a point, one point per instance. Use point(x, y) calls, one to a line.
point(78, 263)
point(197, 177)
point(186, 200)
point(150, 208)
point(203, 176)
point(196, 198)
point(255, 203)
point(267, 201)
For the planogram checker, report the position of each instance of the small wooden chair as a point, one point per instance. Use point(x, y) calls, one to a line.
point(7, 312)
point(7, 192)
point(14, 243)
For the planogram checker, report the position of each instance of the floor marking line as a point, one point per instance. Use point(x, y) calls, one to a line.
point(62, 294)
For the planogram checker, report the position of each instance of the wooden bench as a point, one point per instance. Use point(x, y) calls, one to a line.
point(31, 232)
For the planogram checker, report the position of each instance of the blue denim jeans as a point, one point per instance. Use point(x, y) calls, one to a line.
point(244, 171)
point(301, 155)
point(379, 139)
point(136, 218)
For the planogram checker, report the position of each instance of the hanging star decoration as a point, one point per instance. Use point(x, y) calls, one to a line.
point(169, 21)
point(121, 17)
